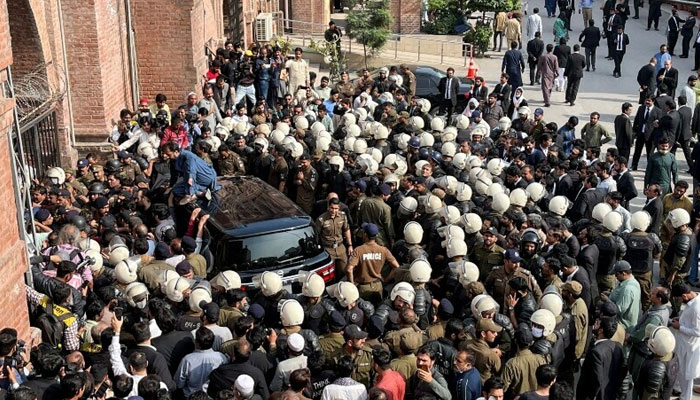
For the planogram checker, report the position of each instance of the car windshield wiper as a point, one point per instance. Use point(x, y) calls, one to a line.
point(289, 260)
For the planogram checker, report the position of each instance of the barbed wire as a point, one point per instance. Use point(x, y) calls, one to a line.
point(34, 91)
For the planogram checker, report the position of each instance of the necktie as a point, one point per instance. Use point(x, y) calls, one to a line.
point(447, 88)
point(610, 24)
point(646, 118)
point(619, 42)
point(697, 38)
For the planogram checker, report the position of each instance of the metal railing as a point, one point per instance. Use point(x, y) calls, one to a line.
point(414, 48)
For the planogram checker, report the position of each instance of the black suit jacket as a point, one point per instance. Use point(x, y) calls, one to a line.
point(623, 132)
point(625, 185)
point(562, 52)
point(564, 186)
point(503, 93)
point(575, 66)
point(686, 121)
point(669, 126)
point(225, 376)
point(639, 121)
point(670, 78)
point(454, 86)
point(602, 372)
point(695, 124)
point(590, 37)
point(535, 48)
point(581, 276)
point(587, 260)
point(156, 364)
point(574, 246)
point(583, 206)
point(625, 42)
point(480, 93)
point(646, 78)
point(655, 209)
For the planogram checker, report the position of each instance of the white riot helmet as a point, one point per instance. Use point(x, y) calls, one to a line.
point(600, 210)
point(291, 313)
point(337, 160)
point(283, 127)
point(348, 119)
point(401, 166)
point(405, 291)
point(415, 124)
point(496, 166)
point(360, 146)
point(241, 128)
point(467, 272)
point(456, 248)
point(165, 276)
point(117, 254)
point(227, 280)
point(270, 283)
point(134, 291)
point(471, 223)
point(427, 140)
point(451, 214)
point(546, 320)
point(323, 143)
point(174, 288)
point(361, 114)
point(483, 183)
point(463, 192)
point(413, 232)
point(381, 132)
point(433, 204)
point(296, 149)
point(449, 149)
point(449, 134)
point(317, 127)
point(500, 203)
point(276, 137)
point(475, 162)
point(86, 244)
point(536, 191)
point(420, 271)
point(504, 123)
point(300, 122)
point(345, 292)
point(518, 197)
point(553, 302)
point(215, 143)
point(450, 232)
point(312, 284)
point(125, 271)
point(437, 124)
point(479, 130)
point(494, 189)
point(198, 295)
point(678, 217)
point(424, 105)
point(420, 164)
point(558, 205)
point(485, 303)
point(408, 205)
point(477, 172)
point(349, 142)
point(386, 97)
point(613, 221)
point(640, 220)
point(459, 161)
point(56, 175)
point(392, 178)
point(661, 340)
point(353, 131)
point(402, 141)
point(376, 154)
point(462, 122)
point(260, 141)
point(97, 256)
point(370, 164)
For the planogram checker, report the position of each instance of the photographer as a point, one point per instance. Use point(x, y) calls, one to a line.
point(12, 352)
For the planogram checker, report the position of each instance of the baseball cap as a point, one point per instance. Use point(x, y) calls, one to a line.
point(622, 266)
point(384, 189)
point(486, 324)
point(476, 114)
point(573, 287)
point(305, 156)
point(64, 193)
point(353, 331)
point(418, 180)
point(539, 111)
point(360, 184)
point(256, 311)
point(183, 267)
point(211, 311)
point(188, 244)
point(42, 214)
point(491, 231)
point(512, 255)
point(337, 321)
point(83, 162)
point(370, 229)
point(296, 342)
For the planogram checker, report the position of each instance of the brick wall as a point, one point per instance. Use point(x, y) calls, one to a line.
point(13, 263)
point(406, 15)
point(26, 45)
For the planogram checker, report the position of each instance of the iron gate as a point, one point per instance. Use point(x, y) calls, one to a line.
point(40, 143)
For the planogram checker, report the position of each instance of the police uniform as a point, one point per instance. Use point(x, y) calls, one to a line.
point(487, 362)
point(87, 178)
point(641, 249)
point(231, 164)
point(362, 361)
point(497, 284)
point(346, 89)
point(487, 259)
point(306, 191)
point(376, 211)
point(278, 172)
point(149, 272)
point(436, 330)
point(229, 315)
point(331, 343)
point(393, 338)
point(405, 365)
point(332, 233)
point(131, 170)
point(519, 371)
point(367, 262)
point(579, 313)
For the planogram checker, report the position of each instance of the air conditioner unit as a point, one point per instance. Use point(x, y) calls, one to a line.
point(263, 27)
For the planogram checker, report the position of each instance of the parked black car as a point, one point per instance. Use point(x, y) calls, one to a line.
point(254, 228)
point(427, 80)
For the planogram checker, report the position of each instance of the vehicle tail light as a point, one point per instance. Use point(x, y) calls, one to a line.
point(466, 95)
point(327, 272)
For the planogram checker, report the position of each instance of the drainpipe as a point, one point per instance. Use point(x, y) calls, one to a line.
point(133, 74)
point(64, 53)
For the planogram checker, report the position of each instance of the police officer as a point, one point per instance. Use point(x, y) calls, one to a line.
point(612, 248)
point(375, 210)
point(348, 303)
point(306, 180)
point(366, 265)
point(530, 245)
point(279, 169)
point(360, 353)
point(229, 162)
point(292, 317)
point(406, 249)
point(84, 174)
point(488, 255)
point(270, 294)
point(315, 312)
point(649, 363)
point(676, 259)
point(420, 271)
point(402, 296)
point(130, 168)
point(333, 341)
point(334, 227)
point(642, 248)
point(497, 281)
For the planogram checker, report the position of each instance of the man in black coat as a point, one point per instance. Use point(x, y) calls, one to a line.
point(563, 183)
point(683, 139)
point(479, 90)
point(654, 207)
point(604, 368)
point(590, 38)
point(668, 76)
point(623, 131)
point(646, 78)
point(156, 361)
point(225, 375)
point(535, 48)
point(562, 52)
point(668, 125)
point(574, 73)
point(610, 24)
point(625, 181)
point(696, 46)
point(654, 13)
point(503, 91)
point(643, 128)
point(674, 29)
point(586, 200)
point(571, 271)
point(587, 260)
point(620, 43)
point(687, 33)
point(448, 87)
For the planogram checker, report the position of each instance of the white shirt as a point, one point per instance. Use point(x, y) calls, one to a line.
point(688, 340)
point(534, 24)
point(115, 358)
point(334, 391)
point(690, 95)
point(221, 334)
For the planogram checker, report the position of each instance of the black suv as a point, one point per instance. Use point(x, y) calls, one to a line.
point(254, 228)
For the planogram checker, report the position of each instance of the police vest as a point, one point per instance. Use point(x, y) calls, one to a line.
point(640, 253)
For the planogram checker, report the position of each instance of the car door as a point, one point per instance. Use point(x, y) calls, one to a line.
point(427, 86)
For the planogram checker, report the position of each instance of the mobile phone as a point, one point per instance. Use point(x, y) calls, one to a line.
point(118, 312)
point(101, 390)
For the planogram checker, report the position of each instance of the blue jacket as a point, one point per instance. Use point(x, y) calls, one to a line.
point(467, 385)
point(189, 166)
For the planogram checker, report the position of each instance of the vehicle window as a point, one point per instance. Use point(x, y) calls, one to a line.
point(423, 82)
point(270, 250)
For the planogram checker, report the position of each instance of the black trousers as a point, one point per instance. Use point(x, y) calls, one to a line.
point(685, 145)
point(672, 39)
point(624, 152)
point(640, 143)
point(446, 106)
point(498, 37)
point(590, 58)
point(572, 89)
point(611, 45)
point(618, 55)
point(697, 57)
point(636, 8)
point(686, 45)
point(653, 18)
point(534, 72)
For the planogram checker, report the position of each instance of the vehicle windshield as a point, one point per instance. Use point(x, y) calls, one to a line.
point(271, 250)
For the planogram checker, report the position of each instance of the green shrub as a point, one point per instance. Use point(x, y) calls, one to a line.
point(479, 37)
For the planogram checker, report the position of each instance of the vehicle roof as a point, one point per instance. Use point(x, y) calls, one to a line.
point(248, 205)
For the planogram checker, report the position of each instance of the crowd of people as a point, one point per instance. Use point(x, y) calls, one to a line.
point(483, 253)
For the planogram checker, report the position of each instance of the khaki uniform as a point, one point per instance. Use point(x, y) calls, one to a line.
point(131, 171)
point(306, 192)
point(393, 338)
point(405, 365)
point(620, 334)
point(556, 282)
point(519, 371)
point(436, 330)
point(409, 84)
point(331, 343)
point(579, 312)
point(362, 360)
point(87, 178)
point(497, 284)
point(228, 317)
point(367, 263)
point(355, 209)
point(346, 89)
point(231, 164)
point(670, 203)
point(199, 264)
point(150, 273)
point(487, 362)
point(376, 211)
point(487, 259)
point(278, 172)
point(78, 186)
point(259, 119)
point(332, 233)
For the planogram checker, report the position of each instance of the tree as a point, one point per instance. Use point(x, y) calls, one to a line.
point(369, 23)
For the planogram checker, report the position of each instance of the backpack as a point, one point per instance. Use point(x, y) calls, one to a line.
point(51, 326)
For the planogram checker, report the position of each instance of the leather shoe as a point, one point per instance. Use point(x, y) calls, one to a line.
point(546, 105)
point(571, 104)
